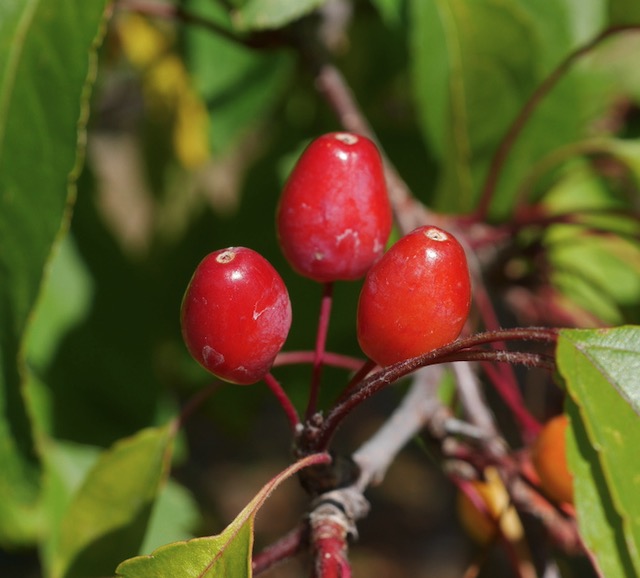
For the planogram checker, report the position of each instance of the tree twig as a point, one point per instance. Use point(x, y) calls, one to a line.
point(418, 406)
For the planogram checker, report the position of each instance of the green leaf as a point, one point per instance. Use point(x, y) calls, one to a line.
point(475, 64)
point(47, 63)
point(263, 14)
point(624, 12)
point(63, 302)
point(390, 10)
point(227, 555)
point(67, 465)
point(107, 518)
point(597, 270)
point(600, 524)
point(243, 85)
point(174, 518)
point(600, 369)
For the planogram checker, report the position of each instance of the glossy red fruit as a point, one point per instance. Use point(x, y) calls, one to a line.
point(416, 298)
point(236, 314)
point(334, 216)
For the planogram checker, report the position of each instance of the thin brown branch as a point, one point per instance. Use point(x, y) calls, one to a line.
point(460, 350)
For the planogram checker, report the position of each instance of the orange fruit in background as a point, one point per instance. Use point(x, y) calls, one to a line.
point(548, 455)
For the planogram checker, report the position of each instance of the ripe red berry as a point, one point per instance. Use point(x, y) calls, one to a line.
point(416, 298)
point(334, 216)
point(236, 315)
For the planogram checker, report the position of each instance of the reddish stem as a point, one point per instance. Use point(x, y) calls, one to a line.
point(530, 425)
point(508, 140)
point(332, 359)
point(460, 350)
point(283, 399)
point(329, 539)
point(364, 369)
point(287, 547)
point(503, 377)
point(321, 341)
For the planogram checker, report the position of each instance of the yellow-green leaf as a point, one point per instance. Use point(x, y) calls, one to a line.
point(227, 555)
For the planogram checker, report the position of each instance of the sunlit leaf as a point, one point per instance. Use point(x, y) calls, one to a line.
point(390, 10)
point(67, 465)
point(260, 14)
point(64, 301)
point(239, 86)
point(175, 517)
point(227, 555)
point(624, 12)
point(107, 518)
point(46, 58)
point(474, 66)
point(600, 523)
point(595, 262)
point(600, 369)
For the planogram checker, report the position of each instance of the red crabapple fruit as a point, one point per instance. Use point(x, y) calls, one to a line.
point(416, 298)
point(235, 315)
point(334, 216)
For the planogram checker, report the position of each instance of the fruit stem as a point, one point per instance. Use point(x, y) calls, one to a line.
point(510, 394)
point(460, 350)
point(503, 377)
point(364, 369)
point(333, 359)
point(321, 341)
point(284, 400)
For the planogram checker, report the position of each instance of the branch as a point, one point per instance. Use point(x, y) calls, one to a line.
point(417, 408)
point(460, 350)
point(335, 513)
point(472, 400)
point(332, 522)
